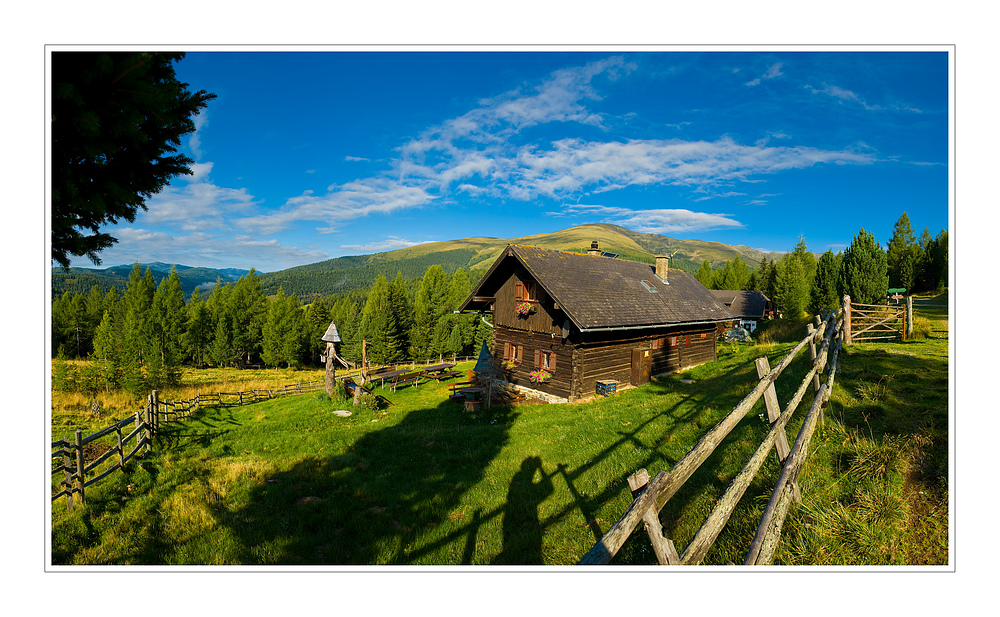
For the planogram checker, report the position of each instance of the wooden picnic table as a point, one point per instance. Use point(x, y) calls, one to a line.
point(436, 368)
point(382, 377)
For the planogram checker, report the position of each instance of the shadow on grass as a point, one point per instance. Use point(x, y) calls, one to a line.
point(373, 503)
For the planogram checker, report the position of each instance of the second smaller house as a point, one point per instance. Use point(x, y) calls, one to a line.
point(748, 307)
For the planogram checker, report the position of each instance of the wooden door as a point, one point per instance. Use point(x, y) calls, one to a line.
point(642, 366)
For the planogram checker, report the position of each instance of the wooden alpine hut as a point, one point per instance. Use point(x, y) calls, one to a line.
point(563, 322)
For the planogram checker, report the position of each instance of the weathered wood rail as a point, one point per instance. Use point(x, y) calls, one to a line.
point(877, 322)
point(72, 473)
point(650, 496)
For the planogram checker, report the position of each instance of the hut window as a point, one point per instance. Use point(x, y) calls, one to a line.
point(656, 342)
point(673, 341)
point(649, 287)
point(512, 351)
point(527, 291)
point(545, 360)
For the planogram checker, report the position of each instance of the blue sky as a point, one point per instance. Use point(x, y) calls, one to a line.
point(305, 156)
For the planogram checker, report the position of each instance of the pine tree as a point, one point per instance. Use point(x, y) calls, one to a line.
point(167, 325)
point(198, 330)
point(902, 255)
point(248, 310)
point(378, 326)
point(704, 274)
point(824, 289)
point(274, 331)
point(863, 274)
point(428, 306)
point(792, 289)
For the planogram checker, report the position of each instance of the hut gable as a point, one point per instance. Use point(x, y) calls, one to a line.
point(744, 304)
point(597, 293)
point(331, 335)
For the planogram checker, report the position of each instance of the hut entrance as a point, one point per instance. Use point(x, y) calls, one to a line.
point(642, 366)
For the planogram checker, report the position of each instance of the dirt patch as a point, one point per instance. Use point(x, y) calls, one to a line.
point(93, 451)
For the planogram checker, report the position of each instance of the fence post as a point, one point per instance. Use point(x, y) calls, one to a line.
point(666, 553)
point(147, 428)
point(847, 320)
point(68, 480)
point(79, 463)
point(909, 317)
point(811, 331)
point(156, 412)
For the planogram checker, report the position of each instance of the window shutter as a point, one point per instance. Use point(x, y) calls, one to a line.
point(538, 358)
point(520, 352)
point(506, 351)
point(519, 291)
point(552, 363)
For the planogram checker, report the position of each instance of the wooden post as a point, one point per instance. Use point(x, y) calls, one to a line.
point(666, 553)
point(909, 317)
point(121, 448)
point(79, 463)
point(847, 320)
point(156, 412)
point(145, 423)
point(330, 377)
point(810, 330)
point(773, 412)
point(68, 480)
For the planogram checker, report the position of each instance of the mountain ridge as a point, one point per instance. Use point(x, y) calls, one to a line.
point(355, 273)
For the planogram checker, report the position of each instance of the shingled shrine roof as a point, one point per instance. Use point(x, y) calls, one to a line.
point(603, 293)
point(331, 335)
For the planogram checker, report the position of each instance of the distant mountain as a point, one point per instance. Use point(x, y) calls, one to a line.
point(83, 279)
point(476, 255)
point(356, 273)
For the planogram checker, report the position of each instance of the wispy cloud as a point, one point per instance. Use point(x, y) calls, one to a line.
point(653, 221)
point(848, 96)
point(205, 249)
point(355, 158)
point(772, 71)
point(390, 243)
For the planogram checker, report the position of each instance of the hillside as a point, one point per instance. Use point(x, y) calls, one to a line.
point(83, 279)
point(353, 273)
point(476, 255)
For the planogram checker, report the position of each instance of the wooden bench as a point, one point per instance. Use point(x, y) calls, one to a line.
point(455, 387)
point(406, 379)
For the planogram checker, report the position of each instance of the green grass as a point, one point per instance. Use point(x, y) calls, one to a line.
point(422, 482)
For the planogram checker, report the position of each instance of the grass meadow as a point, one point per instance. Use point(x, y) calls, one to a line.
point(422, 482)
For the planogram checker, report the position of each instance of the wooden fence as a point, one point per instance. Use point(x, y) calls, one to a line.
point(72, 473)
point(875, 322)
point(650, 496)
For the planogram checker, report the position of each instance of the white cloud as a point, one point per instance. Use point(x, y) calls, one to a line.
point(653, 221)
point(198, 204)
point(204, 249)
point(390, 243)
point(848, 96)
point(194, 141)
point(356, 158)
point(772, 71)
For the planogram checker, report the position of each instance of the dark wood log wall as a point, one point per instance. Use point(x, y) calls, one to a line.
point(546, 319)
point(583, 360)
point(560, 383)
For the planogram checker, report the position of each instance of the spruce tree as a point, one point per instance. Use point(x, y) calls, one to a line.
point(863, 274)
point(902, 255)
point(167, 319)
point(704, 274)
point(792, 289)
point(430, 303)
point(198, 329)
point(824, 289)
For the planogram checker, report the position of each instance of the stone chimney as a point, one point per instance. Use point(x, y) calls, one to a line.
point(662, 264)
point(594, 250)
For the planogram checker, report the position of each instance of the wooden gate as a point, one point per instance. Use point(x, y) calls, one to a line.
point(877, 322)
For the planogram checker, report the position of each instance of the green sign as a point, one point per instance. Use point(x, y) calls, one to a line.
point(897, 290)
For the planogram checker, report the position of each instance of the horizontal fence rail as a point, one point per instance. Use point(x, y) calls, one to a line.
point(73, 473)
point(650, 496)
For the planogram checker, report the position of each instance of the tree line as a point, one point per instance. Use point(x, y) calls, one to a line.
point(138, 340)
point(865, 271)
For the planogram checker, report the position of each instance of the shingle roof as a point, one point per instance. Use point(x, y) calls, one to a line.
point(598, 292)
point(742, 303)
point(331, 335)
